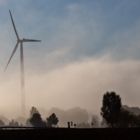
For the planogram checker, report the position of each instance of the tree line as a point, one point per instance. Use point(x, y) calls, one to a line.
point(35, 120)
point(114, 115)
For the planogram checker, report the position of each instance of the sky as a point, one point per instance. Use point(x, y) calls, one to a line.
point(88, 47)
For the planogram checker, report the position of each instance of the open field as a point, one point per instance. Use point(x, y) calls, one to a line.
point(65, 133)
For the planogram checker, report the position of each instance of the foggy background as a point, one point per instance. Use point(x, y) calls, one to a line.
point(88, 47)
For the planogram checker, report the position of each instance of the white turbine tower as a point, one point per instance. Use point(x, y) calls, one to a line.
point(20, 44)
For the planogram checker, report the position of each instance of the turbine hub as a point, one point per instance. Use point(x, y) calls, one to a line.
point(20, 40)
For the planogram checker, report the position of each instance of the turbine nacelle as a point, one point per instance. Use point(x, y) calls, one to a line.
point(27, 40)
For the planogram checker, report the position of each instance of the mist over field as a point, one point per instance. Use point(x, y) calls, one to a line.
point(79, 84)
point(87, 48)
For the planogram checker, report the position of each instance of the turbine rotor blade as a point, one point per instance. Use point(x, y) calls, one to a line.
point(31, 40)
point(14, 24)
point(13, 52)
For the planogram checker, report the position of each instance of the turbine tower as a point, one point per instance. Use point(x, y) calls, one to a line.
point(20, 43)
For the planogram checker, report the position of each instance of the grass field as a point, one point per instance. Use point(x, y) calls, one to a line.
point(65, 133)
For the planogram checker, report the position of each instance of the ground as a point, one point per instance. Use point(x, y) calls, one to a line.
point(65, 133)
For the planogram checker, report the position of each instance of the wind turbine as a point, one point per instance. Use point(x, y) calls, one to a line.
point(20, 44)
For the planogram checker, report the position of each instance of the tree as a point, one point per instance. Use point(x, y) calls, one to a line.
point(2, 123)
point(52, 120)
point(111, 107)
point(33, 111)
point(94, 121)
point(128, 119)
point(13, 123)
point(83, 125)
point(35, 118)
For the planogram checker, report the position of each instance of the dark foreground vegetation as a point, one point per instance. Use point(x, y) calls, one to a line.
point(72, 133)
point(117, 123)
point(115, 115)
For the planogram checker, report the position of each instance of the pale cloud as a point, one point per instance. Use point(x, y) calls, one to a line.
point(73, 8)
point(2, 2)
point(81, 83)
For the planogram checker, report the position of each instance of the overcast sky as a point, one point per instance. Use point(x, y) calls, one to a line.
point(88, 47)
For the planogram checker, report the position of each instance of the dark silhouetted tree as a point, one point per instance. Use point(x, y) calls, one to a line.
point(2, 123)
point(83, 125)
point(13, 123)
point(35, 118)
point(33, 111)
point(111, 107)
point(52, 120)
point(127, 119)
point(94, 121)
